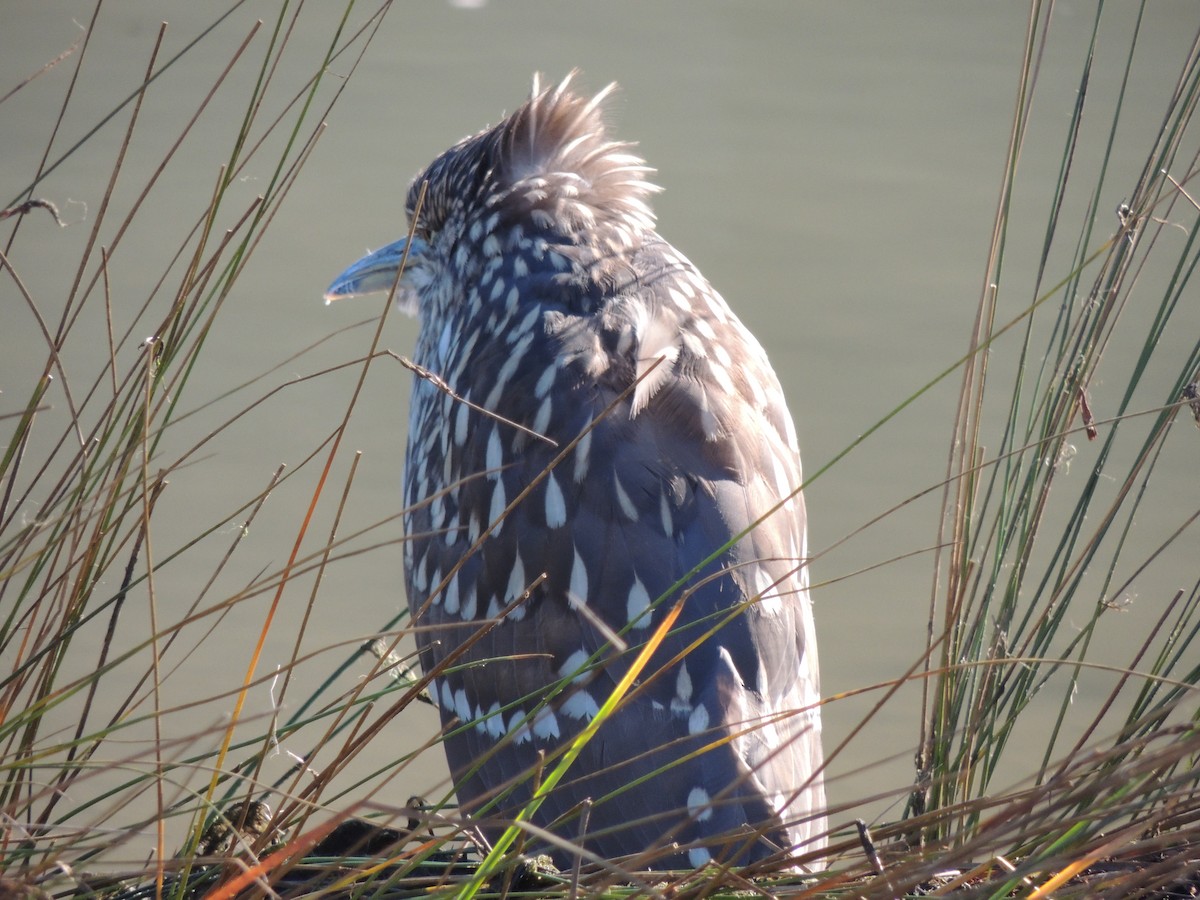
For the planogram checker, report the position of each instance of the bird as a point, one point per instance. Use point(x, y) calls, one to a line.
point(600, 466)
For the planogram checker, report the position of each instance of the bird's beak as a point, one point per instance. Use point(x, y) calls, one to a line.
point(376, 272)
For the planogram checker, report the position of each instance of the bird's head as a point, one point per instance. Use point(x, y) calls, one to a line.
point(545, 177)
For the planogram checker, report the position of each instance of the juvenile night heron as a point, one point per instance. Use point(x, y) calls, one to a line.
point(603, 439)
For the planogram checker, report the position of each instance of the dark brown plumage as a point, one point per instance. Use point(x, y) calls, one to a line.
point(546, 297)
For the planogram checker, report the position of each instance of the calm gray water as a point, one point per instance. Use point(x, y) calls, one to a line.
point(833, 169)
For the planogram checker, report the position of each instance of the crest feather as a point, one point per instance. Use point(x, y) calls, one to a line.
point(551, 161)
point(558, 134)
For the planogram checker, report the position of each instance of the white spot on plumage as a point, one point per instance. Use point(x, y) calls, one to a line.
point(583, 451)
point(420, 579)
point(580, 705)
point(497, 290)
point(542, 421)
point(518, 726)
point(637, 604)
point(526, 323)
point(682, 701)
point(443, 349)
point(699, 856)
point(692, 278)
point(545, 724)
point(694, 345)
point(494, 459)
point(577, 593)
point(463, 353)
point(664, 511)
point(520, 267)
point(709, 424)
point(670, 257)
point(447, 697)
point(461, 418)
point(768, 592)
point(789, 429)
point(716, 306)
point(545, 382)
point(506, 372)
point(491, 246)
point(624, 501)
point(494, 721)
point(492, 267)
point(516, 581)
point(678, 299)
point(698, 804)
point(468, 603)
point(698, 720)
point(450, 599)
point(721, 377)
point(573, 666)
point(718, 348)
point(556, 507)
point(499, 502)
point(757, 397)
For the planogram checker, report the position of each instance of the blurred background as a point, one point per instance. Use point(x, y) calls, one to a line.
point(833, 169)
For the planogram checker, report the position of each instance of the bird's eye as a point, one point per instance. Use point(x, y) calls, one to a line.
point(419, 230)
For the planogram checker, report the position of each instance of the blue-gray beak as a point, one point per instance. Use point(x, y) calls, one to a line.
point(376, 272)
